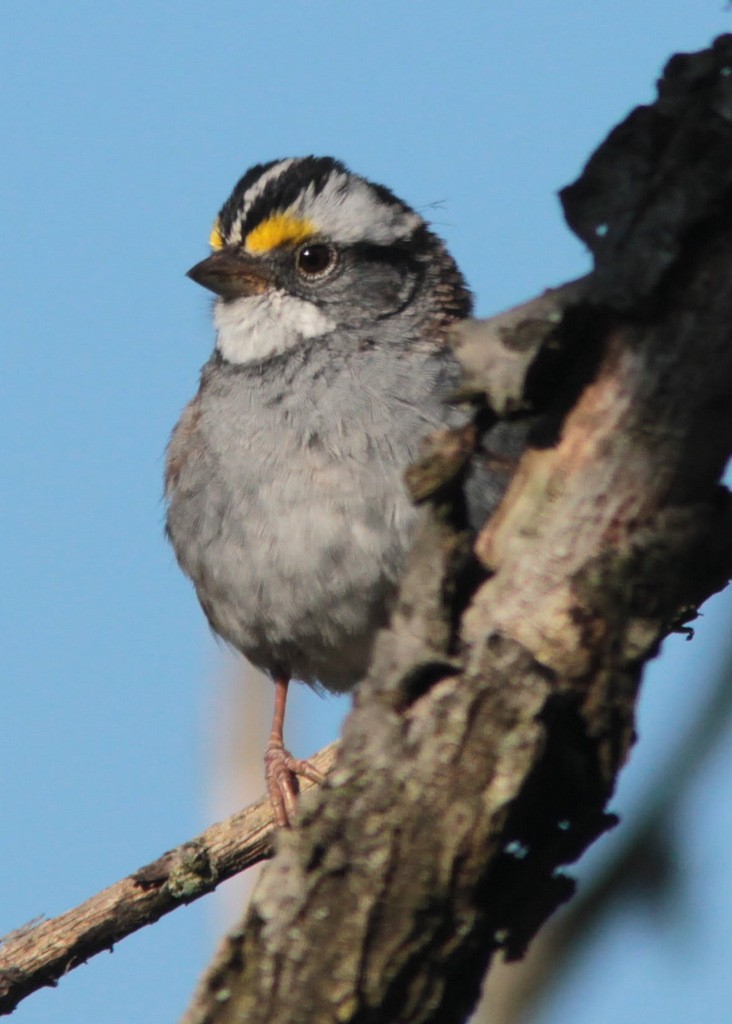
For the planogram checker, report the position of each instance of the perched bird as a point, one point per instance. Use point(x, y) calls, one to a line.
point(286, 503)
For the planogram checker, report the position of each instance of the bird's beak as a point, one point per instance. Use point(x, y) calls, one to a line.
point(231, 273)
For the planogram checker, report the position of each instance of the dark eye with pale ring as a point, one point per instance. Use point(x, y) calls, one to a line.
point(315, 259)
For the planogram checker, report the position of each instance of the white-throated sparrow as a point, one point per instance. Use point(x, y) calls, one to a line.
point(284, 476)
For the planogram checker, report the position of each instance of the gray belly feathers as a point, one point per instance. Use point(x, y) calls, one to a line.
point(292, 518)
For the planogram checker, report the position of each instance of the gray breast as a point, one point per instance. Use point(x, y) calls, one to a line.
point(287, 506)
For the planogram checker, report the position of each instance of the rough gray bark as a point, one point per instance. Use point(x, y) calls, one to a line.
point(484, 746)
point(647, 868)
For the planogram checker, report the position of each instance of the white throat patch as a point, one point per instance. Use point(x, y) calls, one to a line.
point(260, 326)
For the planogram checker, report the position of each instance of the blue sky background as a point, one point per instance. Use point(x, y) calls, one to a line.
point(124, 128)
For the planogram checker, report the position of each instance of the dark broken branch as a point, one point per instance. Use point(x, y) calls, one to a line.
point(485, 744)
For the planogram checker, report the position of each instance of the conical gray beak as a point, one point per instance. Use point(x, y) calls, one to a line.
point(231, 273)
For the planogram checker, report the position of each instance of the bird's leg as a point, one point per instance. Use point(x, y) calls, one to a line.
point(280, 767)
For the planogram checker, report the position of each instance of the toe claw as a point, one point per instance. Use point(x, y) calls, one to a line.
point(281, 771)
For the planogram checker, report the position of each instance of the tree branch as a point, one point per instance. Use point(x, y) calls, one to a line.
point(40, 954)
point(484, 745)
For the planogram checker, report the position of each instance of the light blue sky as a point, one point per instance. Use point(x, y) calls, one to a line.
point(124, 127)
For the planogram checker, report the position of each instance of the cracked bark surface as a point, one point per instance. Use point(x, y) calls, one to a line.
point(485, 744)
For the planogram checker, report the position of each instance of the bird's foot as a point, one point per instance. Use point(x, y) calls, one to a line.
point(281, 770)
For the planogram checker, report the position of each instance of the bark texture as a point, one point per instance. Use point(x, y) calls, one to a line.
point(484, 746)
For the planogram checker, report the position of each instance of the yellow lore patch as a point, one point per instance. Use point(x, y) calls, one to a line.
point(214, 239)
point(277, 230)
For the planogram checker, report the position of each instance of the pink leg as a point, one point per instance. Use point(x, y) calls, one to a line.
point(280, 767)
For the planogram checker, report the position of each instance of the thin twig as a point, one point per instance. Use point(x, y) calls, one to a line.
point(38, 955)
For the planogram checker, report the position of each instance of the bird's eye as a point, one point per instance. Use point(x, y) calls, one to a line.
point(315, 259)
